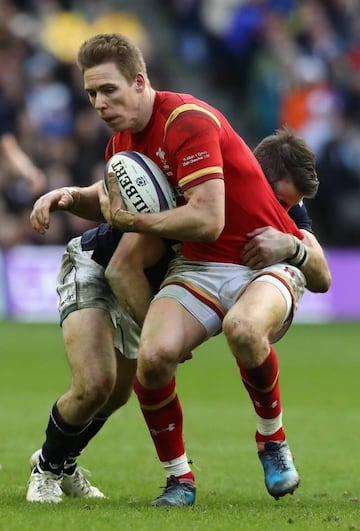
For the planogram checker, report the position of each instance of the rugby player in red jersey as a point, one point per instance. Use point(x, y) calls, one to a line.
point(224, 196)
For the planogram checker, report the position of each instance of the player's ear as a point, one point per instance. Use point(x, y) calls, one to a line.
point(140, 82)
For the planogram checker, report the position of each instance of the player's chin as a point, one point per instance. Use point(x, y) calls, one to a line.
point(116, 123)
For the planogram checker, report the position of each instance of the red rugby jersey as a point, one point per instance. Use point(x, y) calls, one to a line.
point(193, 142)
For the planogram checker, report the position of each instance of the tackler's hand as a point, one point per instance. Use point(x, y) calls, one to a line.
point(59, 199)
point(266, 246)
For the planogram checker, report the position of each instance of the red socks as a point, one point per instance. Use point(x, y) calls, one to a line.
point(262, 384)
point(163, 415)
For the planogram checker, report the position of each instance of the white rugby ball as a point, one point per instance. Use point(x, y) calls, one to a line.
point(142, 184)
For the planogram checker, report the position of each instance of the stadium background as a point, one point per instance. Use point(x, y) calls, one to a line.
point(259, 61)
point(263, 62)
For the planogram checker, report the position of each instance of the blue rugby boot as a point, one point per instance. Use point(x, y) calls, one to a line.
point(176, 494)
point(281, 476)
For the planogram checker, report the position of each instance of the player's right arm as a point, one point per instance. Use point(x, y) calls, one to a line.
point(80, 201)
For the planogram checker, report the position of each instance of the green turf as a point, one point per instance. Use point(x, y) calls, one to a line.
point(320, 370)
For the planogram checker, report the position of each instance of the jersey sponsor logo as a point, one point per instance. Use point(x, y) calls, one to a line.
point(191, 159)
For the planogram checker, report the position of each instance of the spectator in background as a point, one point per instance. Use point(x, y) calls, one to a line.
point(309, 105)
point(20, 163)
point(20, 179)
point(339, 172)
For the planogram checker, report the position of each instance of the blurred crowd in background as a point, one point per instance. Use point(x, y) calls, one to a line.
point(263, 62)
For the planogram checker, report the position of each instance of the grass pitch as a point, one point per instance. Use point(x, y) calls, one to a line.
point(320, 369)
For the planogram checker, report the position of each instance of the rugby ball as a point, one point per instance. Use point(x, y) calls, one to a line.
point(142, 184)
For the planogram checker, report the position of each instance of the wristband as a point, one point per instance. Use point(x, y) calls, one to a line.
point(75, 194)
point(297, 248)
point(299, 257)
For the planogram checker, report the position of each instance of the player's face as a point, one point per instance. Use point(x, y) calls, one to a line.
point(119, 103)
point(287, 194)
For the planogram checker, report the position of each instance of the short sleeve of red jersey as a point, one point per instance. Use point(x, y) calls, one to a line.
point(192, 140)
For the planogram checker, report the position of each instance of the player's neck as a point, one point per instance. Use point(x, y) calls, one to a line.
point(149, 99)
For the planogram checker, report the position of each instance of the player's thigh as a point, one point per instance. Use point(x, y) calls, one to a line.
point(89, 343)
point(261, 306)
point(170, 329)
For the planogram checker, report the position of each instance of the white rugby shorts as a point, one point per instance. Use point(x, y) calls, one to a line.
point(208, 290)
point(81, 284)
